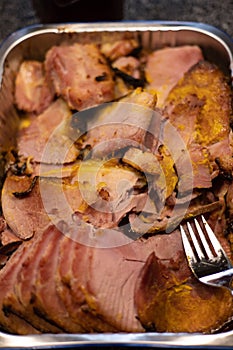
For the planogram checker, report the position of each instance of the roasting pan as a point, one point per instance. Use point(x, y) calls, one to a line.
point(31, 43)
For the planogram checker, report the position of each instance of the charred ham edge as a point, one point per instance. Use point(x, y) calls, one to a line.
point(128, 79)
point(18, 166)
point(8, 249)
point(225, 167)
point(25, 193)
point(151, 224)
point(101, 77)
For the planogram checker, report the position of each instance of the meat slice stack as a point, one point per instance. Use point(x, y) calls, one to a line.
point(96, 199)
point(58, 287)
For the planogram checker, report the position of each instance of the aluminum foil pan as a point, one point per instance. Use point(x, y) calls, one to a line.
point(31, 43)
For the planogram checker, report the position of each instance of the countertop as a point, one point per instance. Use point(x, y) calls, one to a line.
point(16, 14)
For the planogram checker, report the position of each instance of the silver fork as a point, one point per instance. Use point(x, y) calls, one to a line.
point(206, 257)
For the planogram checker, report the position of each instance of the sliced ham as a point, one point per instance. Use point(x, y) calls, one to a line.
point(98, 193)
point(73, 286)
point(205, 87)
point(72, 255)
point(45, 300)
point(67, 290)
point(201, 96)
point(19, 300)
point(165, 67)
point(129, 65)
point(46, 140)
point(8, 321)
point(25, 216)
point(32, 91)
point(118, 125)
point(119, 48)
point(80, 74)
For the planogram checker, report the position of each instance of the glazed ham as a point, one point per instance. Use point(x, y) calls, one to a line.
point(80, 74)
point(191, 107)
point(93, 200)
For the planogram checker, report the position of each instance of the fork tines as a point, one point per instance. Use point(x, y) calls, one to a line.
point(205, 244)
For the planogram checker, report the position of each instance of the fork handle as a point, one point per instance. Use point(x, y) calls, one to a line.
point(223, 279)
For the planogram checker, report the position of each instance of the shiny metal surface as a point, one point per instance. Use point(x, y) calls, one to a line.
point(32, 42)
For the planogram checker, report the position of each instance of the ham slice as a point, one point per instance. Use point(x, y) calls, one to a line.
point(32, 91)
point(8, 321)
point(168, 298)
point(25, 216)
point(201, 96)
point(118, 125)
point(80, 74)
point(97, 193)
point(19, 299)
point(45, 139)
point(119, 48)
point(165, 67)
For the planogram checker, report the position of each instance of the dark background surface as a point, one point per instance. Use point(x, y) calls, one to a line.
point(16, 14)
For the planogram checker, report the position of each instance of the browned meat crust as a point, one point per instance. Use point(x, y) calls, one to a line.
point(80, 74)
